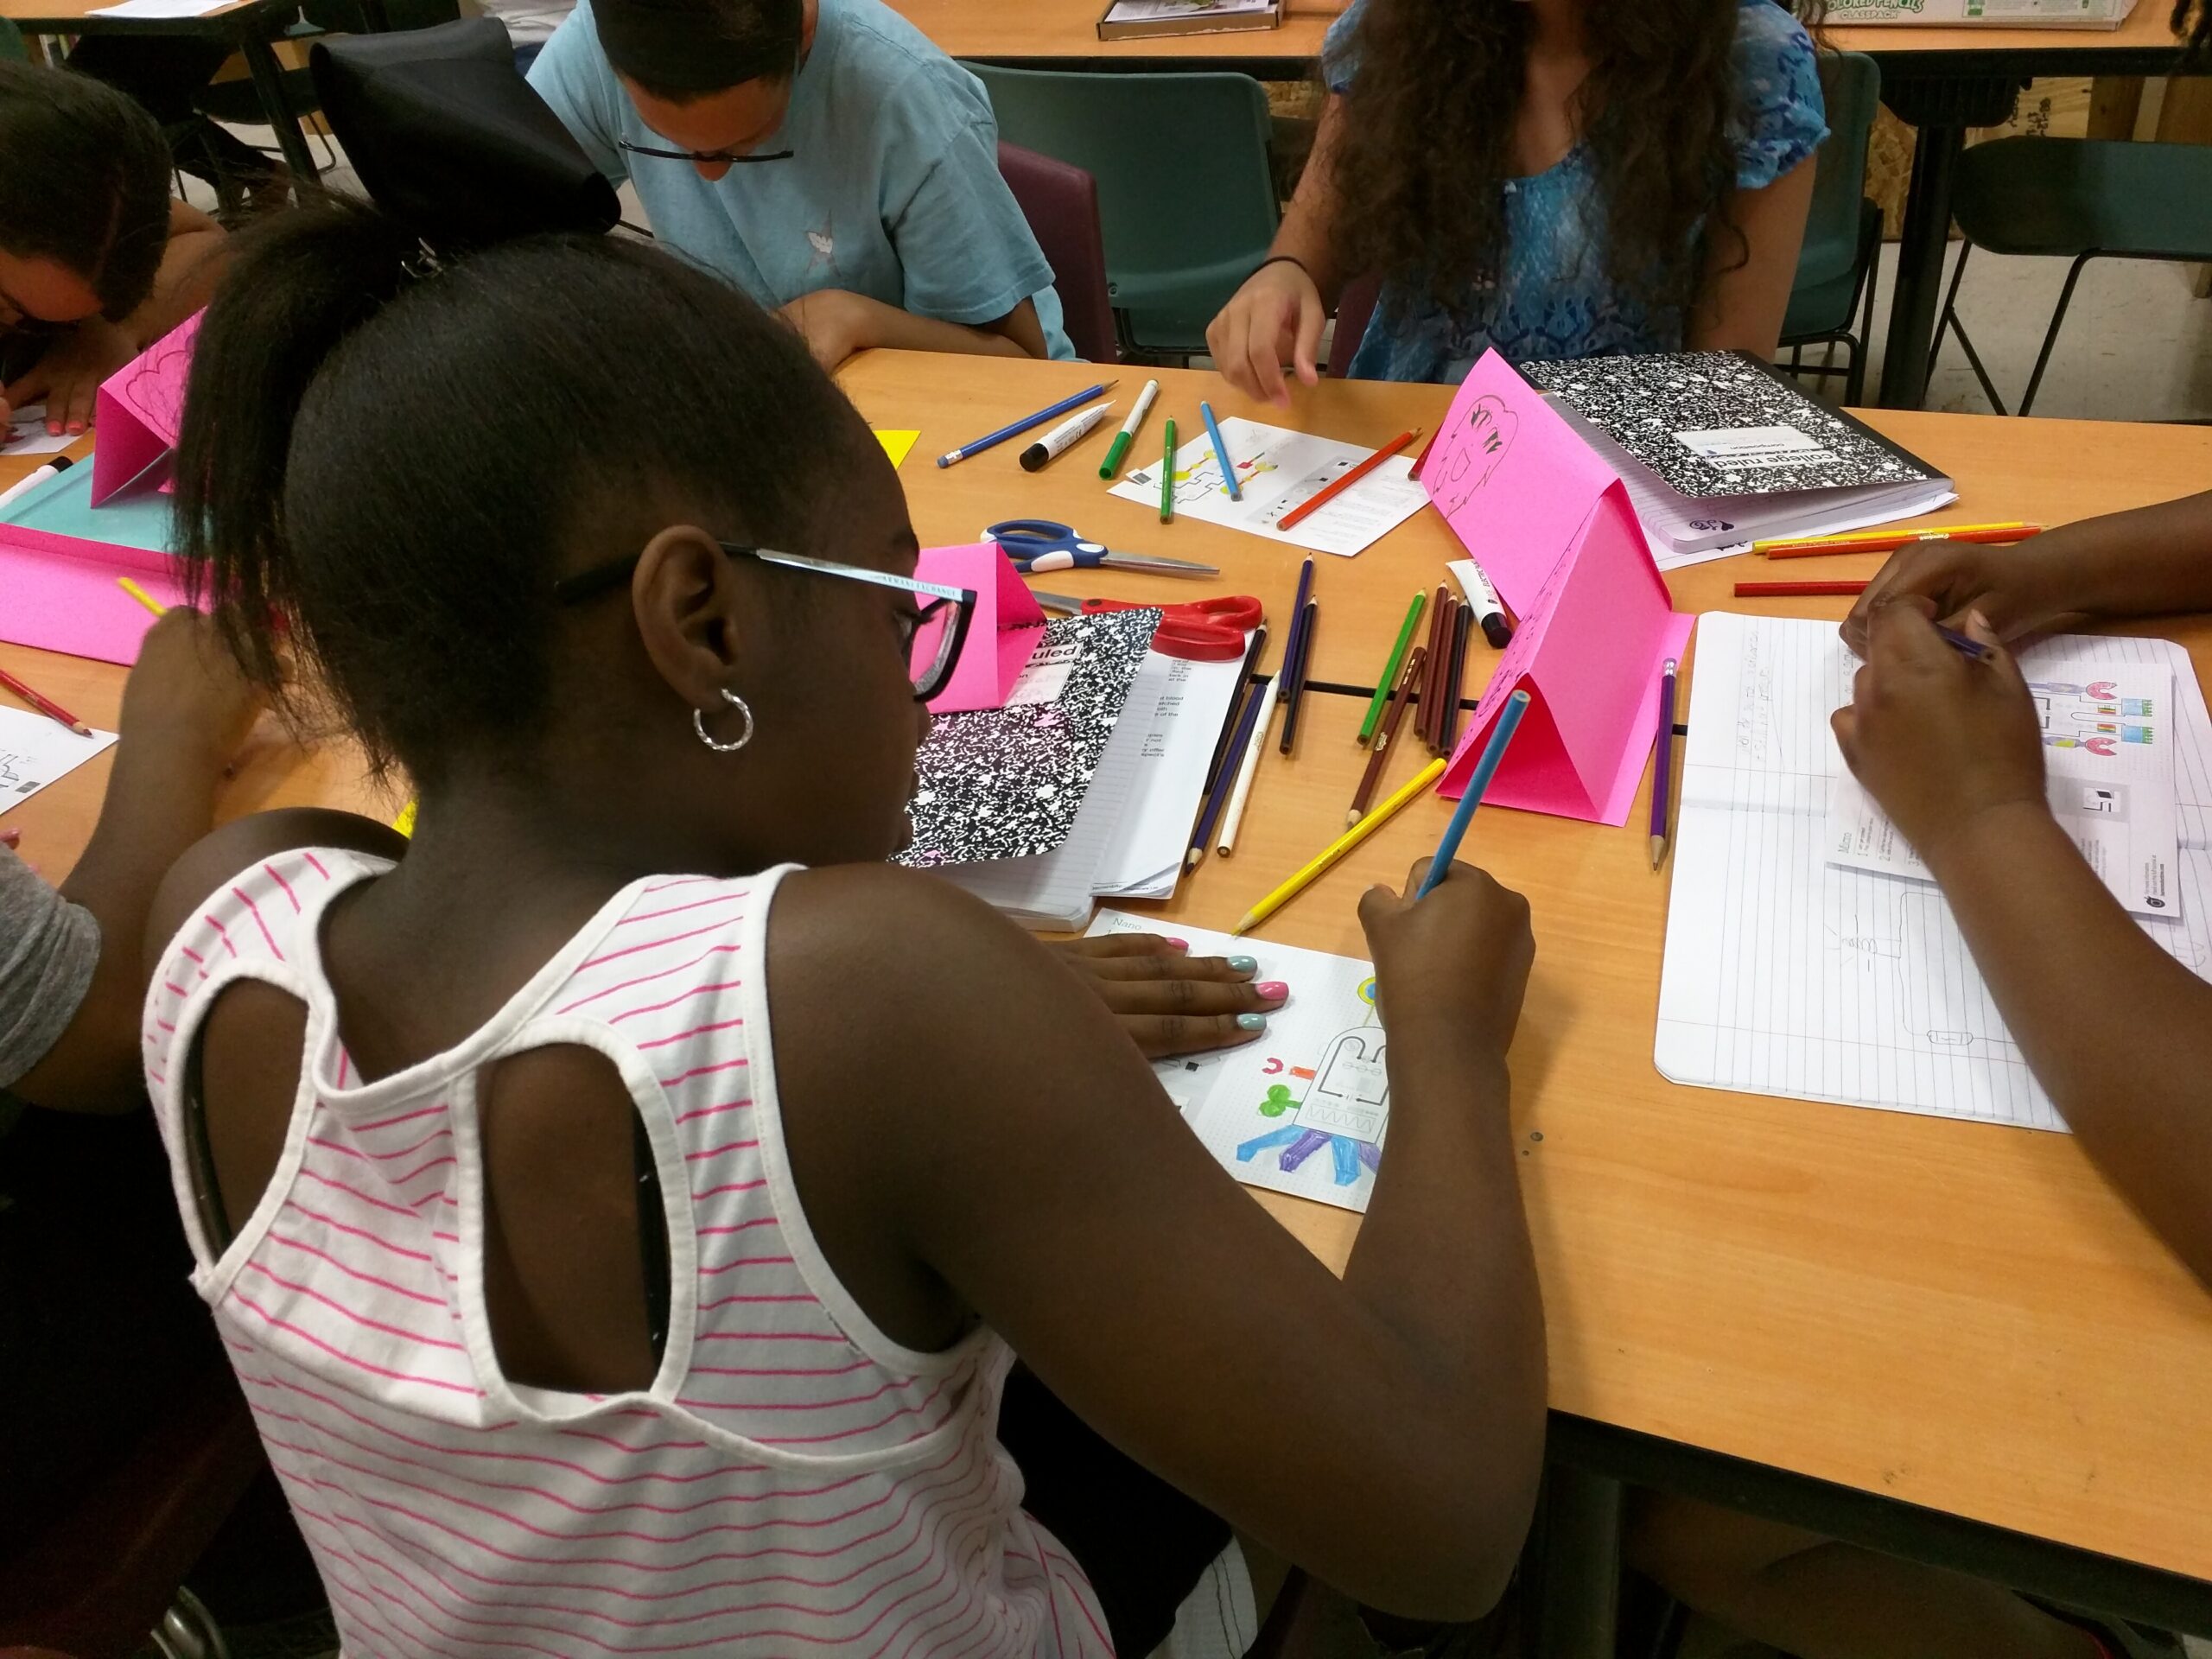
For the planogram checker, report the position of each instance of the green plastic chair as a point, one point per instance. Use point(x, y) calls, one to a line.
point(1843, 231)
point(11, 43)
point(2095, 199)
point(1185, 197)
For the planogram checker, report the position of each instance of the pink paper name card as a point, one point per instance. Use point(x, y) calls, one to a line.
point(1008, 627)
point(140, 411)
point(1551, 524)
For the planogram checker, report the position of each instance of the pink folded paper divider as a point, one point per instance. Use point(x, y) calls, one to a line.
point(1551, 524)
point(140, 411)
point(1004, 633)
point(60, 557)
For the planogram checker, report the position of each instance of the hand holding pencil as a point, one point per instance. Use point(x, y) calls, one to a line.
point(2022, 587)
point(1451, 968)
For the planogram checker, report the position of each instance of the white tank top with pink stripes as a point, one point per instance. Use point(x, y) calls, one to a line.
point(793, 1481)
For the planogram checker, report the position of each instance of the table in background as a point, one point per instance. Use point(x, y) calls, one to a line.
point(1064, 35)
point(1945, 1339)
point(248, 25)
point(1940, 81)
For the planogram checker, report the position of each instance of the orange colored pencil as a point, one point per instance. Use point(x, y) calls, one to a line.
point(1799, 589)
point(1329, 492)
point(1891, 543)
point(46, 706)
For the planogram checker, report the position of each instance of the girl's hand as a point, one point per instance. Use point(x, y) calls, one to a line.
point(2019, 588)
point(1940, 740)
point(1277, 313)
point(68, 375)
point(833, 322)
point(187, 694)
point(1169, 1002)
point(1453, 966)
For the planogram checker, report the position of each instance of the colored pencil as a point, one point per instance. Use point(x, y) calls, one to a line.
point(1891, 543)
point(1233, 820)
point(1387, 681)
point(1421, 459)
point(1328, 856)
point(1329, 491)
point(1799, 589)
point(1221, 453)
point(1663, 771)
point(142, 596)
point(1305, 668)
point(1439, 663)
point(1401, 695)
point(1294, 650)
point(46, 706)
point(1486, 768)
point(1456, 680)
point(1861, 537)
point(1120, 447)
point(991, 439)
point(1168, 478)
point(1425, 691)
point(1234, 733)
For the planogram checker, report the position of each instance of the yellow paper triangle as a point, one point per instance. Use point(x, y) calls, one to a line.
point(897, 445)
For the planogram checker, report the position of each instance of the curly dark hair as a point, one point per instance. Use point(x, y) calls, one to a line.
point(2196, 32)
point(1429, 128)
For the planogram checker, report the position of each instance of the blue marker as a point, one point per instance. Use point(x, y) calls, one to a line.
point(1456, 832)
point(1221, 455)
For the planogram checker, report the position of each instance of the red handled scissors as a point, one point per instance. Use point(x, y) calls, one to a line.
point(1201, 630)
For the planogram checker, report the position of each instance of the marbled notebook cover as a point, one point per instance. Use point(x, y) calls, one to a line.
point(1006, 783)
point(1642, 403)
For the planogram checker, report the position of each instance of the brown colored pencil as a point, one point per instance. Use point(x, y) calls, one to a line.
point(1429, 655)
point(1439, 663)
point(46, 706)
point(1401, 695)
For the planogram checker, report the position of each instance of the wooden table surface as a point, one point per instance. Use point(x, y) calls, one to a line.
point(1957, 1315)
point(37, 14)
point(1065, 30)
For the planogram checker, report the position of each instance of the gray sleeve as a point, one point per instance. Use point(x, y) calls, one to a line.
point(48, 947)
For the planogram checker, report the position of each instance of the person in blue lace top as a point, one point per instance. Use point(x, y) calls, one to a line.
point(1552, 178)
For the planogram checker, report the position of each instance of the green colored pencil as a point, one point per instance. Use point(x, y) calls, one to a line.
point(1168, 478)
point(1390, 669)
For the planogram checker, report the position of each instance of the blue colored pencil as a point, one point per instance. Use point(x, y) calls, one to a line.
point(979, 445)
point(1221, 455)
point(1456, 832)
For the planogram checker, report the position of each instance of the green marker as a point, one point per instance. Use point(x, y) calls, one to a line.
point(1112, 464)
point(1167, 477)
point(1390, 669)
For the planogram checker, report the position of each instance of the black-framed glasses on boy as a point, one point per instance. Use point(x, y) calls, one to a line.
point(935, 630)
point(735, 158)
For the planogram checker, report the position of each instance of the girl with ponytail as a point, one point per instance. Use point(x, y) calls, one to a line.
point(591, 1296)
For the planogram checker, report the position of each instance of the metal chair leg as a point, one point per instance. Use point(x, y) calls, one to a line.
point(2051, 336)
point(1948, 317)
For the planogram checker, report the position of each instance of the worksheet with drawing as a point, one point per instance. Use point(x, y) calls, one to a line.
point(1276, 470)
point(35, 751)
point(1306, 1108)
point(1786, 974)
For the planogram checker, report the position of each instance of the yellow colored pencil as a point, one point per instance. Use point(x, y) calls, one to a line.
point(142, 596)
point(405, 821)
point(1889, 534)
point(1425, 779)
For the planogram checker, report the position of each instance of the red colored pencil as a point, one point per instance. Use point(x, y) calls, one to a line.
point(46, 706)
point(1891, 544)
point(1794, 589)
point(1421, 459)
point(1329, 492)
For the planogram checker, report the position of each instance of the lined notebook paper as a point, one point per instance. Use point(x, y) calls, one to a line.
point(1786, 976)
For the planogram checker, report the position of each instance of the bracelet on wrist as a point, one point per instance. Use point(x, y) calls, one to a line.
point(1286, 259)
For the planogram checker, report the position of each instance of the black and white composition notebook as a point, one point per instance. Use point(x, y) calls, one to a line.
point(1719, 448)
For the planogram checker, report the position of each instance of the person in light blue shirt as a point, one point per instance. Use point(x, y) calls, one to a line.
point(820, 154)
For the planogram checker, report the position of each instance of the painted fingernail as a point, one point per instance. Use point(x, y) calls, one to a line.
point(1243, 964)
point(1251, 1022)
point(1180, 945)
point(1273, 990)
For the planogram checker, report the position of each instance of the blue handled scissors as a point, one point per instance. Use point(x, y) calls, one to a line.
point(1037, 545)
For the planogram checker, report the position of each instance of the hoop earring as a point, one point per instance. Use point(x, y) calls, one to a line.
point(699, 725)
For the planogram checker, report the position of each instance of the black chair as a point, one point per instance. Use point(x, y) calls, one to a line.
point(450, 139)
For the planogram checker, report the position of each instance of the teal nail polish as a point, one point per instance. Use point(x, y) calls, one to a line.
point(1243, 964)
point(1251, 1022)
